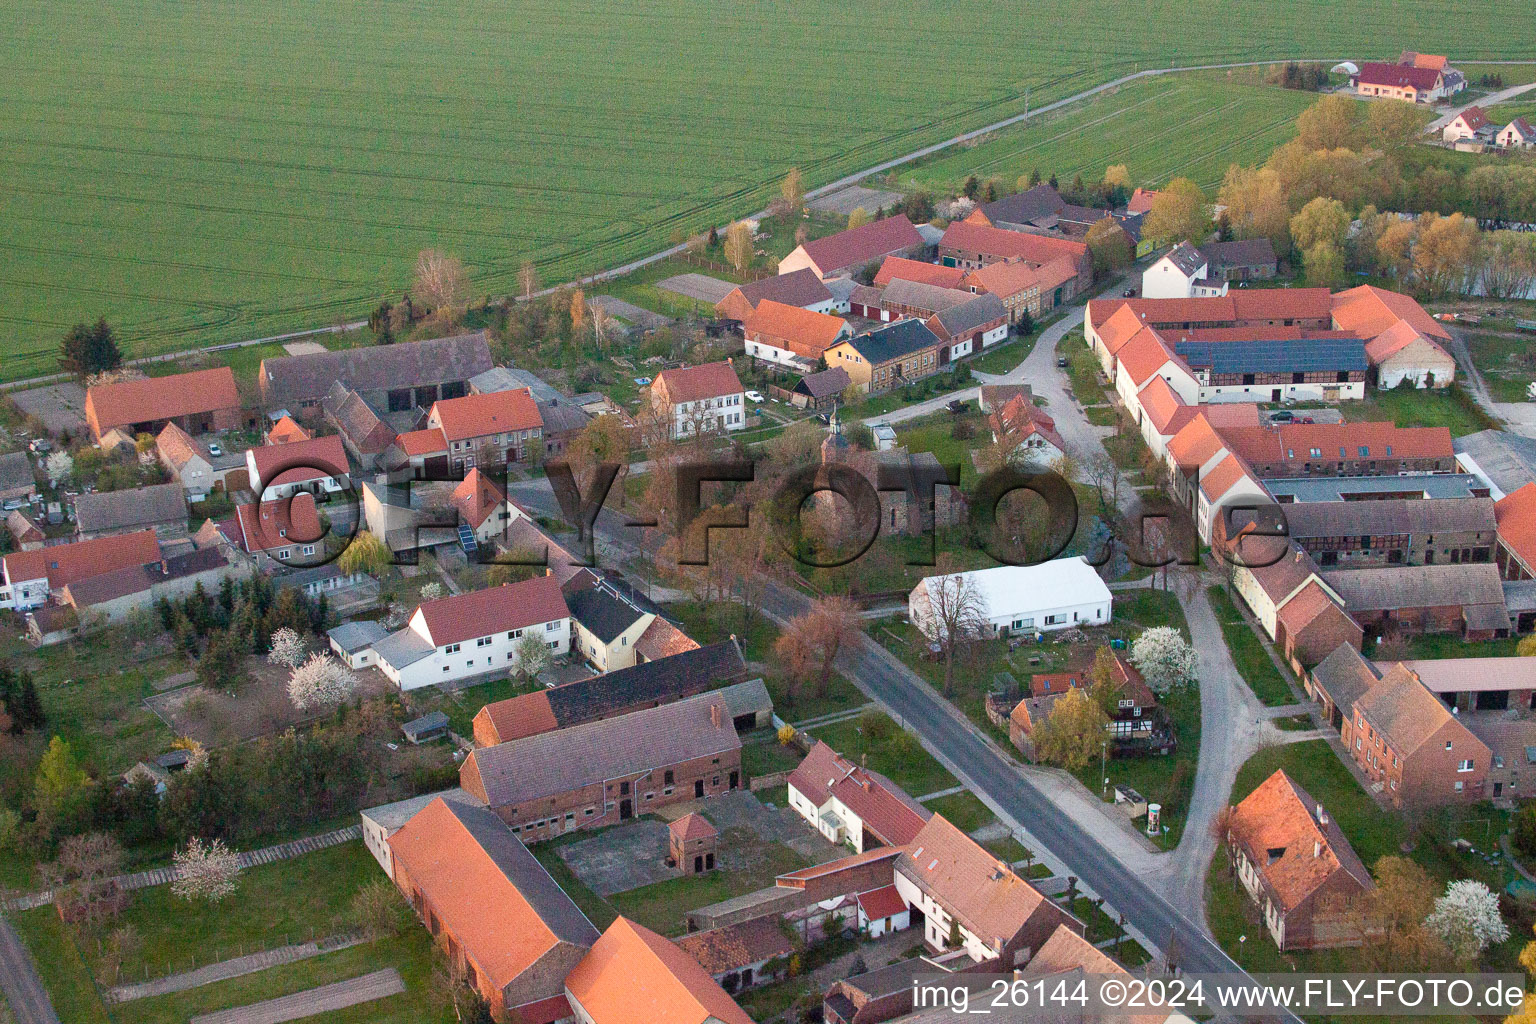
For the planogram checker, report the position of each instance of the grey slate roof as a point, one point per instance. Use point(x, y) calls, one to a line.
point(356, 636)
point(429, 722)
point(1025, 207)
point(288, 380)
point(602, 612)
point(801, 288)
point(563, 417)
point(1246, 252)
point(16, 472)
point(359, 423)
point(1333, 488)
point(1345, 675)
point(402, 647)
point(1295, 356)
point(894, 341)
point(1394, 515)
point(1417, 586)
point(902, 292)
point(121, 510)
point(1507, 461)
point(971, 314)
point(566, 759)
point(748, 698)
point(1186, 258)
point(669, 679)
point(391, 816)
point(824, 384)
point(136, 579)
point(510, 378)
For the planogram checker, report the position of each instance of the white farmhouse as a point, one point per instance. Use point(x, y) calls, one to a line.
point(1058, 594)
point(700, 399)
point(318, 465)
point(1183, 272)
point(850, 804)
point(475, 634)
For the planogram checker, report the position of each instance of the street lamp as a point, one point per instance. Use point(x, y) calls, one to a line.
point(1104, 766)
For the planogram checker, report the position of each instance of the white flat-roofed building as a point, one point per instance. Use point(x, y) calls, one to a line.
point(1058, 594)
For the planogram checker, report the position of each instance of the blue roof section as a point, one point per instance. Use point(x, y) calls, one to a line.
point(1294, 356)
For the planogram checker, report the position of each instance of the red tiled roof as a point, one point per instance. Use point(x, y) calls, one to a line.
point(1293, 442)
point(1234, 307)
point(63, 564)
point(160, 398)
point(484, 910)
point(1293, 852)
point(1424, 60)
point(1195, 444)
point(737, 945)
point(286, 430)
point(1226, 475)
point(883, 902)
point(661, 639)
point(177, 447)
point(802, 331)
point(278, 524)
point(1397, 76)
point(691, 383)
point(476, 497)
point(1160, 404)
point(1367, 311)
point(481, 415)
point(1009, 245)
point(634, 976)
point(861, 245)
point(1141, 201)
point(422, 442)
point(1516, 515)
point(1004, 279)
point(1020, 417)
point(1310, 602)
point(1144, 355)
point(692, 826)
point(300, 460)
point(527, 714)
point(451, 620)
point(898, 267)
point(1473, 117)
point(797, 879)
point(1118, 328)
point(884, 808)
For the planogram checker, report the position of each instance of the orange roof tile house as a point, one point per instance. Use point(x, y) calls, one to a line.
point(493, 909)
point(1296, 864)
point(488, 429)
point(776, 332)
point(850, 804)
point(197, 402)
point(700, 399)
point(634, 976)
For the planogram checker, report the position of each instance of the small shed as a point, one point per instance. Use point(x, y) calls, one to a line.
point(428, 727)
point(691, 844)
point(353, 641)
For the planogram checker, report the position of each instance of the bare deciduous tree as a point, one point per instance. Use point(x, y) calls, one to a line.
point(956, 617)
point(738, 246)
point(528, 279)
point(811, 642)
point(440, 280)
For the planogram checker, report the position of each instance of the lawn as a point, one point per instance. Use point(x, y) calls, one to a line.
point(1248, 652)
point(1505, 361)
point(1164, 779)
point(1191, 125)
point(1084, 369)
point(222, 176)
point(1452, 408)
point(1003, 358)
point(965, 811)
point(898, 756)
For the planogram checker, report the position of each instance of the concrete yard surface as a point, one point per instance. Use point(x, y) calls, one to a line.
point(362, 989)
point(621, 859)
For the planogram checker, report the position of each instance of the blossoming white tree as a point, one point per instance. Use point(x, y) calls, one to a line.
point(431, 591)
point(1467, 919)
point(320, 682)
point(59, 466)
point(288, 648)
point(205, 871)
point(1164, 658)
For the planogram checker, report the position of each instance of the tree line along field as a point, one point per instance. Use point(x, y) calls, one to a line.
point(216, 171)
point(1193, 126)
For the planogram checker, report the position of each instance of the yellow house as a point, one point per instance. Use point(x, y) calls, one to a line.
point(615, 627)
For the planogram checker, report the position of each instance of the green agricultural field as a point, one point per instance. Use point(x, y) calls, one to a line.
point(1193, 125)
point(217, 171)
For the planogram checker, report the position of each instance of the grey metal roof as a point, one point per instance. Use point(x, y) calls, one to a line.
point(391, 816)
point(748, 698)
point(563, 416)
point(1520, 595)
point(355, 636)
point(1295, 356)
point(1505, 460)
point(510, 378)
point(402, 647)
point(428, 722)
point(1025, 207)
point(120, 510)
point(922, 295)
point(1334, 488)
point(894, 341)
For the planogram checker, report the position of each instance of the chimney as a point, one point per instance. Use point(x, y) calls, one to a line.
point(1322, 815)
point(714, 715)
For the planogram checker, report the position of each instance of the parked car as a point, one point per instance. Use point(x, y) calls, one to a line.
point(753, 396)
point(956, 406)
point(1063, 362)
point(39, 445)
point(1128, 293)
point(1282, 416)
point(215, 449)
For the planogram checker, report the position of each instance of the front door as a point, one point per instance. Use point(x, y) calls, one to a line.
point(1274, 394)
point(1498, 789)
point(698, 788)
point(626, 810)
point(735, 779)
point(698, 864)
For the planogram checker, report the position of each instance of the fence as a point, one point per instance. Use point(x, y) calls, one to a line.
point(753, 274)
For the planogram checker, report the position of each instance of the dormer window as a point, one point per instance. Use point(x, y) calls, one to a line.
point(1274, 853)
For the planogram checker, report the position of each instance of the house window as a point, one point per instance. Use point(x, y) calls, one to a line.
point(514, 634)
point(308, 549)
point(554, 645)
point(483, 641)
point(666, 777)
point(452, 649)
point(1464, 765)
point(550, 627)
point(1459, 786)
